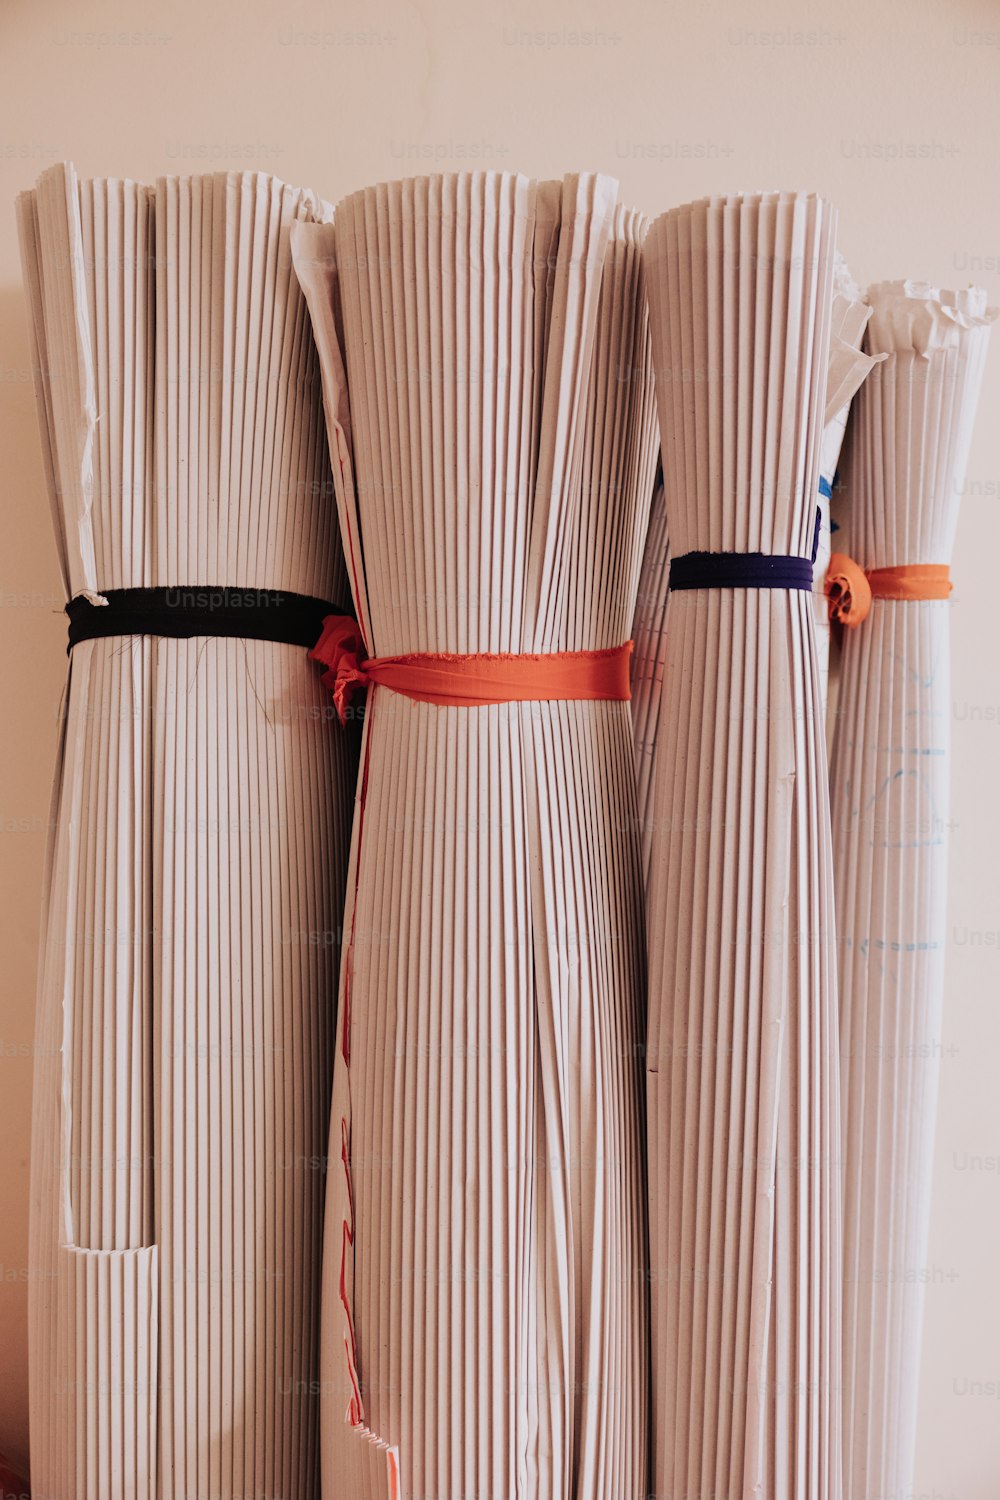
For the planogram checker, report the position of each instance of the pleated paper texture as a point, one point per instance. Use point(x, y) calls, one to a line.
point(849, 365)
point(907, 448)
point(484, 343)
point(742, 1063)
point(847, 368)
point(186, 1009)
point(650, 637)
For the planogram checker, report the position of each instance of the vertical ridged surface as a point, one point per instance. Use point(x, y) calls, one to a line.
point(188, 989)
point(485, 1307)
point(848, 368)
point(650, 637)
point(889, 782)
point(742, 1065)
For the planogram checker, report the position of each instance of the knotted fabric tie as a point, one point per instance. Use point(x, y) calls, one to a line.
point(458, 681)
point(850, 589)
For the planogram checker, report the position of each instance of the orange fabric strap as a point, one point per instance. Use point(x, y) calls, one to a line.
point(911, 581)
point(850, 590)
point(458, 681)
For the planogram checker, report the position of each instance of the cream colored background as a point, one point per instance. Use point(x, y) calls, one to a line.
point(890, 108)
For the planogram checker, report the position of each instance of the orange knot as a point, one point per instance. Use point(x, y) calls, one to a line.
point(341, 649)
point(847, 589)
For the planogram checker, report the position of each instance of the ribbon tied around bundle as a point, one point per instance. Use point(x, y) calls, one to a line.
point(850, 588)
point(452, 679)
point(745, 570)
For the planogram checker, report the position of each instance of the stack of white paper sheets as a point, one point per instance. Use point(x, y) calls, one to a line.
point(848, 367)
point(87, 250)
point(187, 1000)
point(485, 1325)
point(907, 447)
point(742, 1068)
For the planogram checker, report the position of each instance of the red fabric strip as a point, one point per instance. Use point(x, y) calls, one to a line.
point(458, 681)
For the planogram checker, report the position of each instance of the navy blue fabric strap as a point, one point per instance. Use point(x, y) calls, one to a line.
point(740, 570)
point(816, 527)
point(744, 570)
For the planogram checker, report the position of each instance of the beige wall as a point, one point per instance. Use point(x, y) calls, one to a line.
point(891, 108)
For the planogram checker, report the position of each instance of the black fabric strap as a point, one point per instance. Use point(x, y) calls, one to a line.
point(202, 609)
